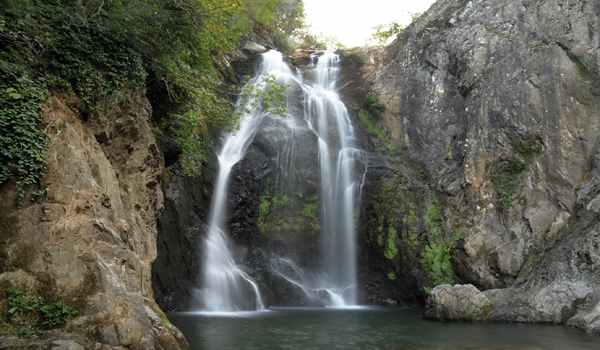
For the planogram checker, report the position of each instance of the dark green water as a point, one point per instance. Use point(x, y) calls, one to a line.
point(388, 329)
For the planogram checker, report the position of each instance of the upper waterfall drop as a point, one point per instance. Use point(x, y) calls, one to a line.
point(226, 286)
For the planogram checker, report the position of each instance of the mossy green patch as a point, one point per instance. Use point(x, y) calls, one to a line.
point(434, 220)
point(437, 262)
point(391, 250)
point(392, 276)
point(283, 213)
point(506, 177)
point(436, 257)
point(384, 143)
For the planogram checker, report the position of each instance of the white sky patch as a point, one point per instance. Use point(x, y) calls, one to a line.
point(352, 22)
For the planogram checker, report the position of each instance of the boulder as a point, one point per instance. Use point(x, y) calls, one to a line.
point(459, 302)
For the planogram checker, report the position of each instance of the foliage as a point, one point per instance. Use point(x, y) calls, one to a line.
point(307, 40)
point(437, 262)
point(374, 106)
point(98, 49)
point(434, 220)
point(528, 147)
point(268, 95)
point(22, 138)
point(56, 314)
point(267, 204)
point(367, 121)
point(506, 177)
point(191, 135)
point(437, 256)
point(21, 304)
point(280, 201)
point(311, 209)
point(383, 33)
point(264, 207)
point(390, 249)
point(30, 313)
point(282, 18)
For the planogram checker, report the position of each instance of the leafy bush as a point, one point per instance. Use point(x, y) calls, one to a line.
point(437, 262)
point(97, 49)
point(383, 33)
point(374, 106)
point(31, 313)
point(269, 96)
point(21, 304)
point(56, 314)
point(22, 138)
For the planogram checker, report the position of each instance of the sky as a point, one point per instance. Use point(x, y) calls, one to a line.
point(352, 21)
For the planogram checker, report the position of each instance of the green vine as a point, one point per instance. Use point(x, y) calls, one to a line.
point(22, 138)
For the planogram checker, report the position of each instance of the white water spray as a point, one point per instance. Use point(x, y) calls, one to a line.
point(340, 161)
point(226, 286)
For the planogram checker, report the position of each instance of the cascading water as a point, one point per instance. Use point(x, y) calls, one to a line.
point(226, 286)
point(340, 161)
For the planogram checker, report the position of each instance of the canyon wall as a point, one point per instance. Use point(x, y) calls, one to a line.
point(490, 117)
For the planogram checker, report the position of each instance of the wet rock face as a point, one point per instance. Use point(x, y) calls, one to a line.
point(182, 224)
point(92, 242)
point(274, 205)
point(499, 102)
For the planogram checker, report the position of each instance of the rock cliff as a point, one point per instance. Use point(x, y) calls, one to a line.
point(92, 241)
point(495, 104)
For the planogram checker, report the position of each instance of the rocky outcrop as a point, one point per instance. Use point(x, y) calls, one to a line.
point(497, 102)
point(92, 241)
point(460, 302)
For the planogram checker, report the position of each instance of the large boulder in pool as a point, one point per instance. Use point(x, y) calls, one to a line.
point(459, 302)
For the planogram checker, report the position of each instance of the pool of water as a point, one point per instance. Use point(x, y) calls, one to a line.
point(364, 329)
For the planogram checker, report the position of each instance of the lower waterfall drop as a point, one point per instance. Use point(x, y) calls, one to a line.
point(342, 173)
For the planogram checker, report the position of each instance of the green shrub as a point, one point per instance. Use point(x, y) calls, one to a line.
point(22, 138)
point(506, 177)
point(373, 105)
point(385, 32)
point(56, 314)
point(20, 304)
point(99, 49)
point(437, 262)
point(28, 314)
point(270, 98)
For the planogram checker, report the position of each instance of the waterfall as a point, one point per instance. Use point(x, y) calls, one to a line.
point(226, 286)
point(339, 159)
